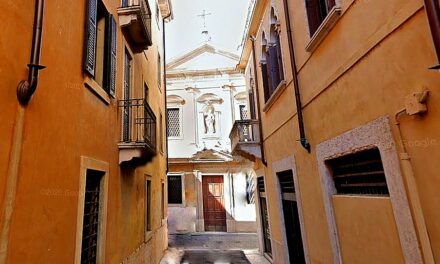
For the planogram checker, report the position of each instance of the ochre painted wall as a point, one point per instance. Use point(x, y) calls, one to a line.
point(377, 53)
point(64, 121)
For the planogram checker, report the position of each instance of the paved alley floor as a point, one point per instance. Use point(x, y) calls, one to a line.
point(213, 248)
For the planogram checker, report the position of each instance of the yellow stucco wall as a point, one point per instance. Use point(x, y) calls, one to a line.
point(64, 121)
point(377, 53)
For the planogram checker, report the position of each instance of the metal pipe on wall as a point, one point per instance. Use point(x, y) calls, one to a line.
point(27, 88)
point(165, 88)
point(304, 142)
point(433, 13)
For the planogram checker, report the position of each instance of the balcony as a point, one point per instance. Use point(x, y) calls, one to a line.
point(245, 139)
point(138, 137)
point(135, 21)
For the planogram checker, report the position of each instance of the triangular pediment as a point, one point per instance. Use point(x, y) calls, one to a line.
point(205, 57)
point(210, 155)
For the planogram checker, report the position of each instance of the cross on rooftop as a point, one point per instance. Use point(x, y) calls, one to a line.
point(203, 15)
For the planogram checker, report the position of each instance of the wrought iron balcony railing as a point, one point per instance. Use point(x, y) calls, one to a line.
point(135, 18)
point(245, 138)
point(138, 124)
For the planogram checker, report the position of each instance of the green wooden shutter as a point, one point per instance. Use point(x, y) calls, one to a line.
point(112, 53)
point(90, 38)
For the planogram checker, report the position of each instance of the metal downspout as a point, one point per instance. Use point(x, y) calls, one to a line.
point(304, 142)
point(26, 88)
point(165, 89)
point(260, 127)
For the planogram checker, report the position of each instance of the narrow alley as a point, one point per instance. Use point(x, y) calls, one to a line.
point(220, 131)
point(213, 247)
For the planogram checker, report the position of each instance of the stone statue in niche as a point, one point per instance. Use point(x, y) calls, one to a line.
point(209, 119)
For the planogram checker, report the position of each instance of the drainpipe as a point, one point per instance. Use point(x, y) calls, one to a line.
point(165, 88)
point(304, 142)
point(26, 88)
point(260, 127)
point(433, 13)
point(24, 93)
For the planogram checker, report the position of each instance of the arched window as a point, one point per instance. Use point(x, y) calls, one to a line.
point(271, 58)
point(265, 68)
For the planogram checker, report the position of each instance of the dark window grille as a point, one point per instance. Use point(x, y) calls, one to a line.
point(286, 181)
point(173, 122)
point(89, 246)
point(260, 185)
point(148, 205)
point(361, 173)
point(175, 189)
point(243, 112)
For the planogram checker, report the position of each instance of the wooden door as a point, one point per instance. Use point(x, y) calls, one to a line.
point(214, 212)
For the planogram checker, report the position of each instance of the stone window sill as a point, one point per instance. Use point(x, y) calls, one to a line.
point(97, 89)
point(325, 27)
point(278, 91)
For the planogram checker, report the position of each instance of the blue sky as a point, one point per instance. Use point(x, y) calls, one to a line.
point(225, 25)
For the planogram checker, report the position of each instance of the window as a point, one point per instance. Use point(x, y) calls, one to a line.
point(161, 132)
point(147, 206)
point(271, 59)
point(159, 71)
point(243, 112)
point(127, 94)
point(317, 11)
point(162, 201)
point(361, 173)
point(175, 189)
point(91, 216)
point(100, 46)
point(174, 122)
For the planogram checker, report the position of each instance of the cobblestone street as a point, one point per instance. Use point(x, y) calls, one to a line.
point(219, 248)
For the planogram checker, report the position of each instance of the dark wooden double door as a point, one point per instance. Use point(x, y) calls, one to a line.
point(214, 212)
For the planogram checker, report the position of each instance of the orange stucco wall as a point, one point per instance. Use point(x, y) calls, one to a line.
point(377, 53)
point(64, 121)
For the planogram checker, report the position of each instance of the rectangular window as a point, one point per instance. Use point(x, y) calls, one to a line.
point(148, 206)
point(161, 132)
point(175, 189)
point(360, 173)
point(159, 71)
point(174, 122)
point(100, 46)
point(317, 11)
point(243, 112)
point(91, 218)
point(162, 200)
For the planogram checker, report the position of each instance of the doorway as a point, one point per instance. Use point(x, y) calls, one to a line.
point(214, 212)
point(291, 217)
point(264, 216)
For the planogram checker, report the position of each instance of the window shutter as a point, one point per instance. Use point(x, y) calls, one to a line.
point(312, 7)
point(112, 54)
point(90, 38)
point(265, 81)
point(280, 58)
point(274, 69)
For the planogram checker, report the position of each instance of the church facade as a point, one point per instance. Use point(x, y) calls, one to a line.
point(207, 185)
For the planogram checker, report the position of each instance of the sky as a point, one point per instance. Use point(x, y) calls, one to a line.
point(225, 24)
